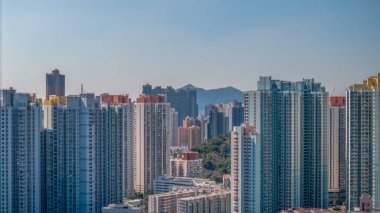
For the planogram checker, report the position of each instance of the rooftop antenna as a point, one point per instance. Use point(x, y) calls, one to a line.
point(333, 91)
point(81, 89)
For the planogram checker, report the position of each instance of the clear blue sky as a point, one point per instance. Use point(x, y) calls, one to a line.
point(116, 46)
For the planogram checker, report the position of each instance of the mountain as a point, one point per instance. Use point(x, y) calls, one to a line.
point(216, 96)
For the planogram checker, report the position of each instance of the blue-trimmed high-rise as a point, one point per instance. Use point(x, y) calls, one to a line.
point(291, 119)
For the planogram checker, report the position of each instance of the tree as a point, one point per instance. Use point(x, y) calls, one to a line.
point(215, 153)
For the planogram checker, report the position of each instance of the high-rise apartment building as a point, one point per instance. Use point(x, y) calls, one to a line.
point(71, 154)
point(20, 126)
point(245, 170)
point(55, 84)
point(292, 121)
point(363, 146)
point(21, 123)
point(54, 143)
point(116, 148)
point(53, 154)
point(46, 139)
point(152, 135)
point(87, 152)
point(183, 100)
point(337, 143)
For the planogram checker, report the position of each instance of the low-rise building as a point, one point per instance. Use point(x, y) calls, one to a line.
point(165, 184)
point(216, 202)
point(167, 202)
point(187, 165)
point(178, 150)
point(128, 206)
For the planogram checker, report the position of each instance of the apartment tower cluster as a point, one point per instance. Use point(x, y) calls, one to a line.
point(279, 157)
point(78, 153)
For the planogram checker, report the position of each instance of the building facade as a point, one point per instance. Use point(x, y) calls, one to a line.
point(174, 124)
point(187, 165)
point(183, 100)
point(165, 184)
point(167, 202)
point(234, 114)
point(20, 126)
point(189, 136)
point(292, 121)
point(152, 136)
point(53, 141)
point(71, 153)
point(116, 148)
point(337, 143)
point(245, 170)
point(216, 202)
point(217, 122)
point(362, 136)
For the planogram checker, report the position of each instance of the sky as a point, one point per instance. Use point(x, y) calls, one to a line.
point(117, 46)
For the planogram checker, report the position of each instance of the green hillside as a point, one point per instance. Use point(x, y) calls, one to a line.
point(216, 154)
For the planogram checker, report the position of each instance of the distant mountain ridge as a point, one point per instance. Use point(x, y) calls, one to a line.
point(215, 96)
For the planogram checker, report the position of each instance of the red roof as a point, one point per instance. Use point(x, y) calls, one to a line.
point(337, 101)
point(190, 155)
point(150, 99)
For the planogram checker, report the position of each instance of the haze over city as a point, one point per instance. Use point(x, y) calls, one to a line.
point(189, 106)
point(118, 47)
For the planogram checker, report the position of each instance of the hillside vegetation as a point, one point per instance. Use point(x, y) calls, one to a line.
point(216, 154)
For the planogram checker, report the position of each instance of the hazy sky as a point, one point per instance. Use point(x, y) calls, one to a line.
point(116, 46)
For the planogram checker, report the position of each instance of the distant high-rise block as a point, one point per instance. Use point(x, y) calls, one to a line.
point(183, 136)
point(221, 118)
point(152, 139)
point(234, 114)
point(292, 121)
point(174, 125)
point(55, 84)
point(217, 122)
point(184, 100)
point(190, 133)
point(147, 89)
point(20, 127)
point(337, 143)
point(202, 123)
point(363, 142)
point(194, 136)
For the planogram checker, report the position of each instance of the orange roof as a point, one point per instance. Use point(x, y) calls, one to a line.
point(337, 101)
point(114, 99)
point(150, 99)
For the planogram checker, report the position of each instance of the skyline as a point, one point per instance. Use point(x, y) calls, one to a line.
point(205, 44)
